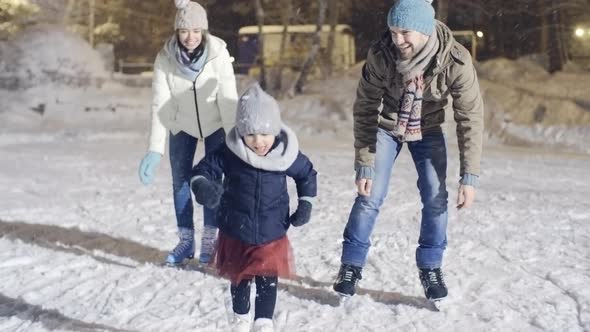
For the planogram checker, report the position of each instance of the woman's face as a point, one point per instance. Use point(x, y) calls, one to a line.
point(260, 143)
point(190, 38)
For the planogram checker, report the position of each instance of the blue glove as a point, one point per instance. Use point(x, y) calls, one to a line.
point(148, 166)
point(207, 193)
point(301, 216)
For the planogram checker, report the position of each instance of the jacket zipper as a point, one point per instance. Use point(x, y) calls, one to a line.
point(197, 108)
point(256, 207)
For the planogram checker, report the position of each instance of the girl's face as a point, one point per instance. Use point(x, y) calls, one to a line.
point(190, 38)
point(260, 143)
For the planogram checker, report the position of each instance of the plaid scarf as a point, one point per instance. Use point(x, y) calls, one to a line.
point(407, 128)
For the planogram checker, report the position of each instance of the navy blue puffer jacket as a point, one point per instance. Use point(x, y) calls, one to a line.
point(254, 207)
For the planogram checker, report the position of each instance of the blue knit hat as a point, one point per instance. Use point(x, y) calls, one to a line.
point(415, 15)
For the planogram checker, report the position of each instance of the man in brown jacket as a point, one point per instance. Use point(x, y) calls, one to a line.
point(410, 72)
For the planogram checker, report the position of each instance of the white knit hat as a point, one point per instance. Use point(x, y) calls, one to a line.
point(258, 113)
point(190, 15)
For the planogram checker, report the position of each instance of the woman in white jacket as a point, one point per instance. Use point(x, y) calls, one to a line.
point(194, 98)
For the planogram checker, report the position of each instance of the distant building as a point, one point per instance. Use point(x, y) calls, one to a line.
point(298, 43)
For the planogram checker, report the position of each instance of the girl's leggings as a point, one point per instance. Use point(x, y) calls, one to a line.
point(266, 297)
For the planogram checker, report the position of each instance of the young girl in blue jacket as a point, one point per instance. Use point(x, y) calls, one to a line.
point(253, 214)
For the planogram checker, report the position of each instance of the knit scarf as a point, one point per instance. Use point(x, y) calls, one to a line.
point(280, 158)
point(190, 66)
point(407, 128)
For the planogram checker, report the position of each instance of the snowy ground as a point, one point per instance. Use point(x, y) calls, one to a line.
point(81, 239)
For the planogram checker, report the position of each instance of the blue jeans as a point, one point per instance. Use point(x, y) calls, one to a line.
point(182, 152)
point(430, 159)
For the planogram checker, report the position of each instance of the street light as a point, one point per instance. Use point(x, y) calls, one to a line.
point(579, 32)
point(479, 34)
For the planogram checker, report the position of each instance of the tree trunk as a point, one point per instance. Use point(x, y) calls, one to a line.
point(315, 48)
point(91, 15)
point(555, 50)
point(333, 17)
point(260, 21)
point(563, 36)
point(544, 43)
point(287, 8)
point(442, 10)
point(68, 13)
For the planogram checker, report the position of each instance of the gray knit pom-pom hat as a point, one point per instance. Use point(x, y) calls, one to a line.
point(190, 15)
point(258, 113)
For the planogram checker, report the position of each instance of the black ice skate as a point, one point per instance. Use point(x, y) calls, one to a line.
point(348, 277)
point(433, 284)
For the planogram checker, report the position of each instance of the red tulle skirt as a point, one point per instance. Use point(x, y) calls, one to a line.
point(237, 260)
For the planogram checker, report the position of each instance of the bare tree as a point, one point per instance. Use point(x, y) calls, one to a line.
point(315, 48)
point(91, 21)
point(68, 12)
point(333, 17)
point(556, 46)
point(287, 8)
point(260, 21)
point(442, 10)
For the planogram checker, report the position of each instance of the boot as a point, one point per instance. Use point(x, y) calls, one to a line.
point(433, 283)
point(240, 323)
point(208, 244)
point(263, 325)
point(348, 277)
point(185, 249)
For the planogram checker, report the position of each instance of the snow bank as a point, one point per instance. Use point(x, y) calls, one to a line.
point(502, 69)
point(525, 105)
point(48, 54)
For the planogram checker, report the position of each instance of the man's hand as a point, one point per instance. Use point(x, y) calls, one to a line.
point(465, 196)
point(364, 186)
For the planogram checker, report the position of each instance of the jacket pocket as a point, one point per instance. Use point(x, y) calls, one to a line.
point(433, 119)
point(176, 110)
point(212, 97)
point(438, 89)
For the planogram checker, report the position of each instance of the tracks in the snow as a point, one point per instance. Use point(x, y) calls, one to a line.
point(75, 241)
point(51, 319)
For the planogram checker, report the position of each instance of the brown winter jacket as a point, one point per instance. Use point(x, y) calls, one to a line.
point(451, 73)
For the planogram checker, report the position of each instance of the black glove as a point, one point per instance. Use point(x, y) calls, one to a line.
point(301, 216)
point(207, 193)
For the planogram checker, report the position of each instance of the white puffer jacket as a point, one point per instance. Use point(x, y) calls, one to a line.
point(198, 108)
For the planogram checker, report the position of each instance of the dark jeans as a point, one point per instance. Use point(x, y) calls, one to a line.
point(266, 297)
point(182, 152)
